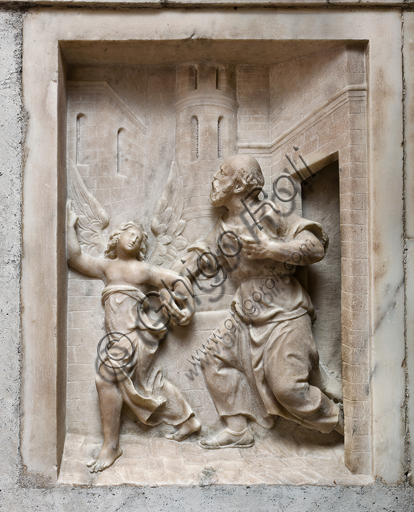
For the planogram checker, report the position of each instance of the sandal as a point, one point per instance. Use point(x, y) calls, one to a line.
point(246, 440)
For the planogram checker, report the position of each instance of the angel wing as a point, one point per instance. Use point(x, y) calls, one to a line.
point(93, 219)
point(167, 224)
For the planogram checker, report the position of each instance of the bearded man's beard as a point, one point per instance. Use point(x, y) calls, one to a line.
point(218, 197)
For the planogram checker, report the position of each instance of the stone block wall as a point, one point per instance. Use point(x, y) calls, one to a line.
point(328, 119)
point(107, 142)
point(318, 77)
point(339, 126)
point(253, 124)
point(253, 96)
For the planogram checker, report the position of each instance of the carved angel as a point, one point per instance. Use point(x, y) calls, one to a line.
point(130, 372)
point(167, 225)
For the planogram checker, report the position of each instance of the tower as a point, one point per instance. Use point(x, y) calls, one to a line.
point(206, 131)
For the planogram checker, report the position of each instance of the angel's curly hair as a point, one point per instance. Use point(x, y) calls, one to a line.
point(114, 239)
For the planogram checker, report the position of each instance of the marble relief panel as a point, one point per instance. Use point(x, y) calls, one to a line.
point(217, 244)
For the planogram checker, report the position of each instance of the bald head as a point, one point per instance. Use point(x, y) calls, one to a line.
point(238, 176)
point(246, 171)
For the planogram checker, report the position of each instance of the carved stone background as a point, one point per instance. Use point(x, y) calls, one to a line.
point(124, 127)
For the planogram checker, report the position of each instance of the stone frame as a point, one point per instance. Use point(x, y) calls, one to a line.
point(44, 263)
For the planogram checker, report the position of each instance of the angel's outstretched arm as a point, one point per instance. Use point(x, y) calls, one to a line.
point(88, 265)
point(190, 264)
point(175, 289)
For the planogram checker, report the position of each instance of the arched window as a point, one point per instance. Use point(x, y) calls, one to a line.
point(193, 77)
point(80, 124)
point(194, 138)
point(220, 126)
point(119, 150)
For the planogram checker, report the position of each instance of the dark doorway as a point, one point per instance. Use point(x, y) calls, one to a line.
point(320, 202)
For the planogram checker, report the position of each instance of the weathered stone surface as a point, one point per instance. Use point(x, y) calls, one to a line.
point(12, 126)
point(384, 274)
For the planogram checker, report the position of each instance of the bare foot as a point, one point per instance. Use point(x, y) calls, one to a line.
point(229, 439)
point(186, 429)
point(106, 458)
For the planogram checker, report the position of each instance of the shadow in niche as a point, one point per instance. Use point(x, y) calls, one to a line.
point(299, 441)
point(320, 202)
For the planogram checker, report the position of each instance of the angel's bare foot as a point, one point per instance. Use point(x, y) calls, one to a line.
point(186, 429)
point(106, 458)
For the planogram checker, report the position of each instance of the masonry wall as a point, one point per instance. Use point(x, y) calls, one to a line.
point(317, 108)
point(253, 96)
point(318, 77)
point(340, 127)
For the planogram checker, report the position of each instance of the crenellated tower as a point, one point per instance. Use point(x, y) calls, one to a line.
point(206, 133)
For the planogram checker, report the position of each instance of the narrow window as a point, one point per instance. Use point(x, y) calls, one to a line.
point(119, 136)
point(194, 138)
point(80, 123)
point(221, 79)
point(193, 77)
point(219, 137)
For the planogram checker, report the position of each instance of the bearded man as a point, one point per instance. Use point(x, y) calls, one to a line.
point(269, 364)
